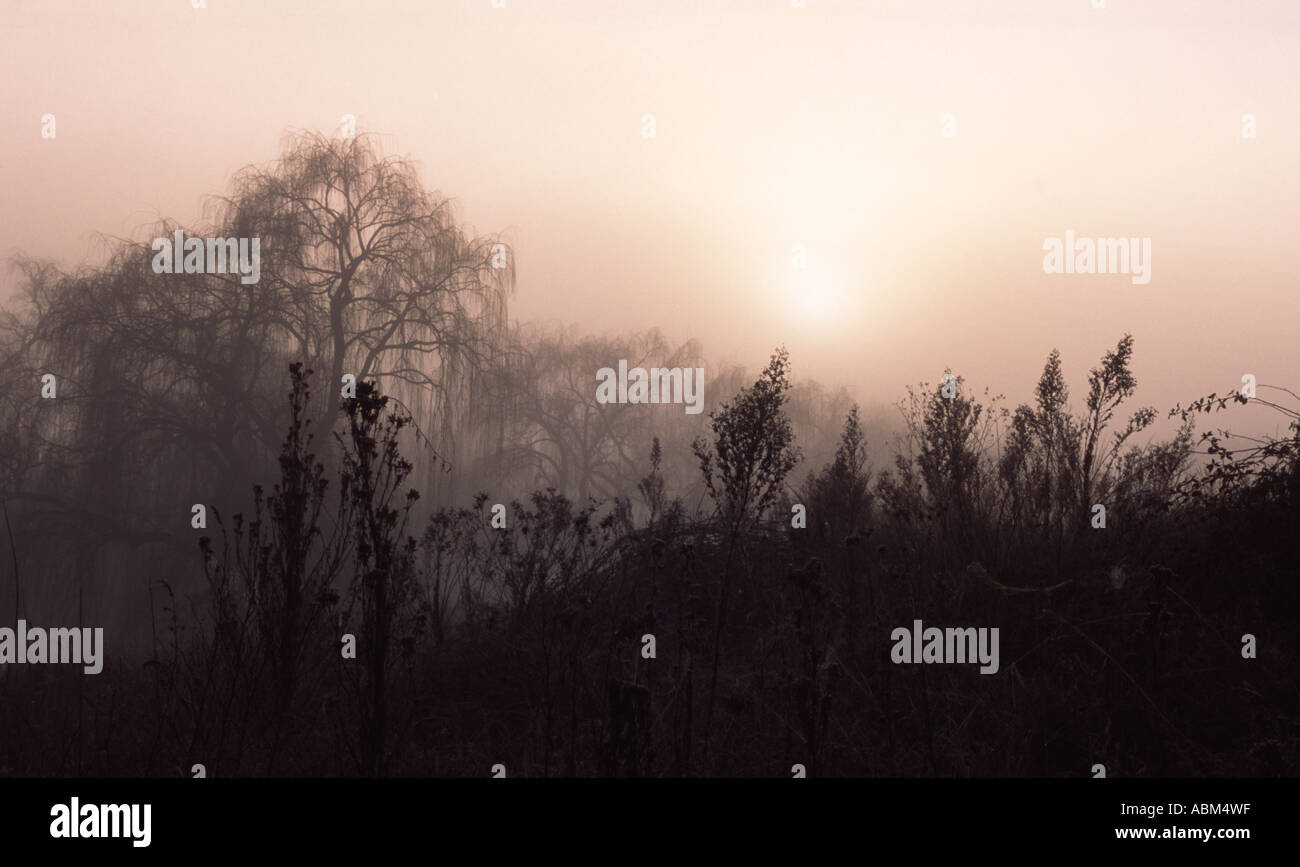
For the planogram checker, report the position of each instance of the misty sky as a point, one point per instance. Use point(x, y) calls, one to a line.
point(774, 127)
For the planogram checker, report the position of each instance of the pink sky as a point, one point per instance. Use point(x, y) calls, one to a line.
point(775, 126)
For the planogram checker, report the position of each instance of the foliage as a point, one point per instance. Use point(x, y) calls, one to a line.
point(753, 447)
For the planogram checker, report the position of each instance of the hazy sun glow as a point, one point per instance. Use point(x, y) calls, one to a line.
point(815, 296)
point(777, 128)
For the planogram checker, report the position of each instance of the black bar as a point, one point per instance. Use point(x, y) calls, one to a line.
point(619, 819)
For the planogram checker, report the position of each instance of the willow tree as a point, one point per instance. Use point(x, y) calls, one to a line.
point(170, 385)
point(380, 280)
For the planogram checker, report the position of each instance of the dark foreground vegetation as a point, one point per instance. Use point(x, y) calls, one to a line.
point(350, 608)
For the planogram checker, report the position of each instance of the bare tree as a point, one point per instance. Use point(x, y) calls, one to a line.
point(381, 281)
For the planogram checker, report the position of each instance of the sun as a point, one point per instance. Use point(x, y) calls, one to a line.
point(816, 303)
point(815, 296)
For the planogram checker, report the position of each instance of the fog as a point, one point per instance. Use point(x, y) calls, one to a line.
point(775, 127)
point(599, 388)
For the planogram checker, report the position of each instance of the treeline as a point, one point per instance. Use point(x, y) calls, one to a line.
point(373, 592)
point(745, 638)
point(133, 395)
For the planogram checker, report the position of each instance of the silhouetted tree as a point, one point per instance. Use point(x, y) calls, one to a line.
point(752, 450)
point(383, 586)
point(839, 497)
